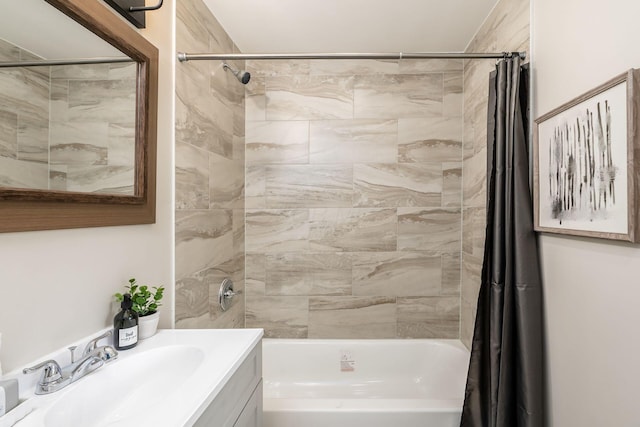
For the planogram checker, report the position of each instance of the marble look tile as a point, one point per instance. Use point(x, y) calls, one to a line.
point(58, 177)
point(430, 140)
point(225, 85)
point(210, 157)
point(255, 189)
point(273, 68)
point(300, 97)
point(9, 51)
point(239, 231)
point(122, 144)
point(429, 229)
point(203, 239)
point(352, 317)
point(328, 67)
point(471, 278)
point(202, 120)
point(352, 230)
point(256, 274)
point(233, 318)
point(59, 101)
point(467, 230)
point(509, 32)
point(468, 139)
point(191, 298)
point(453, 98)
point(451, 265)
point(480, 127)
point(8, 133)
point(308, 274)
point(429, 317)
point(277, 230)
point(192, 177)
point(420, 66)
point(396, 274)
point(205, 32)
point(467, 323)
point(219, 40)
point(201, 322)
point(226, 183)
point(471, 274)
point(33, 139)
point(353, 141)
point(239, 148)
point(23, 174)
point(82, 72)
point(452, 184)
point(101, 179)
point(24, 92)
point(79, 143)
point(277, 142)
point(474, 180)
point(279, 316)
point(474, 229)
point(111, 101)
point(390, 96)
point(397, 185)
point(191, 26)
point(123, 70)
point(256, 99)
point(296, 186)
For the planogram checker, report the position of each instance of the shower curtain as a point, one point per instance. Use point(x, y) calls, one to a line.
point(504, 385)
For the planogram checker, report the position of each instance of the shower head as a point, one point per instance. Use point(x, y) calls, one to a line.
point(242, 75)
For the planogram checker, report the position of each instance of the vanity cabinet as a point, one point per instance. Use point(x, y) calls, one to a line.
point(239, 403)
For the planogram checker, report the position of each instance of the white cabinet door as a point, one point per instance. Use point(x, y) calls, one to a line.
point(251, 415)
point(227, 406)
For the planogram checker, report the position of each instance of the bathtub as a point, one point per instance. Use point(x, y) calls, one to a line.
point(372, 383)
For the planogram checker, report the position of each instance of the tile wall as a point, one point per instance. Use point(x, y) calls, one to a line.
point(209, 234)
point(67, 127)
point(92, 128)
point(353, 198)
point(506, 29)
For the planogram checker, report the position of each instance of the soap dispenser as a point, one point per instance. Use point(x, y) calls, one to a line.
point(125, 325)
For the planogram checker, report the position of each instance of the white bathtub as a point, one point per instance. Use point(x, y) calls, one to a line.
point(368, 383)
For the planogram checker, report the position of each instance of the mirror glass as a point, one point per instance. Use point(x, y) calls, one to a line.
point(68, 127)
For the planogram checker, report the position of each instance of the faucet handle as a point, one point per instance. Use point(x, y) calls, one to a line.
point(51, 373)
point(93, 344)
point(107, 353)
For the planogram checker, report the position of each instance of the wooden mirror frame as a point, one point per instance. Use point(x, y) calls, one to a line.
point(26, 210)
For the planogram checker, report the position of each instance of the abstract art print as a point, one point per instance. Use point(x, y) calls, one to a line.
point(584, 176)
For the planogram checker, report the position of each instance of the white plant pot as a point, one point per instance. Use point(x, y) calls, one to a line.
point(148, 325)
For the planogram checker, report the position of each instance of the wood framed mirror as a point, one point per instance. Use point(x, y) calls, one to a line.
point(50, 206)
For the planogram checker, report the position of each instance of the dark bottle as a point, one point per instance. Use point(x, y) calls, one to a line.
point(125, 325)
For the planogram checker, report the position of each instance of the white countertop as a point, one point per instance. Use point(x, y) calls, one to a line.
point(217, 353)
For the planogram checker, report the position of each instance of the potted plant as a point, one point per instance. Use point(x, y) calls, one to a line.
point(146, 302)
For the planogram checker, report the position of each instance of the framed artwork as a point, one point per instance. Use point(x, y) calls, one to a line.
point(585, 163)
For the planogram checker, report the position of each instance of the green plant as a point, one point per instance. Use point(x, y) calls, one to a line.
point(145, 301)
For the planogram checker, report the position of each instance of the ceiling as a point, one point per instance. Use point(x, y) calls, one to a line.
point(306, 26)
point(39, 28)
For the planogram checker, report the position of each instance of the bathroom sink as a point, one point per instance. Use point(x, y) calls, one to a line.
point(166, 380)
point(126, 389)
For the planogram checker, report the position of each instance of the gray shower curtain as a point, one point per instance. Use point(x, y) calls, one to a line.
point(505, 381)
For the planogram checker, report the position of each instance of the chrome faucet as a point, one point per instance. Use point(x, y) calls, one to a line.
point(92, 345)
point(54, 378)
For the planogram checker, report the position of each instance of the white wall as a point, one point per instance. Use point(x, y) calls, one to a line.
point(591, 287)
point(57, 286)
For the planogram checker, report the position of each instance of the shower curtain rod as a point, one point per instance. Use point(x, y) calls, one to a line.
point(183, 57)
point(50, 62)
